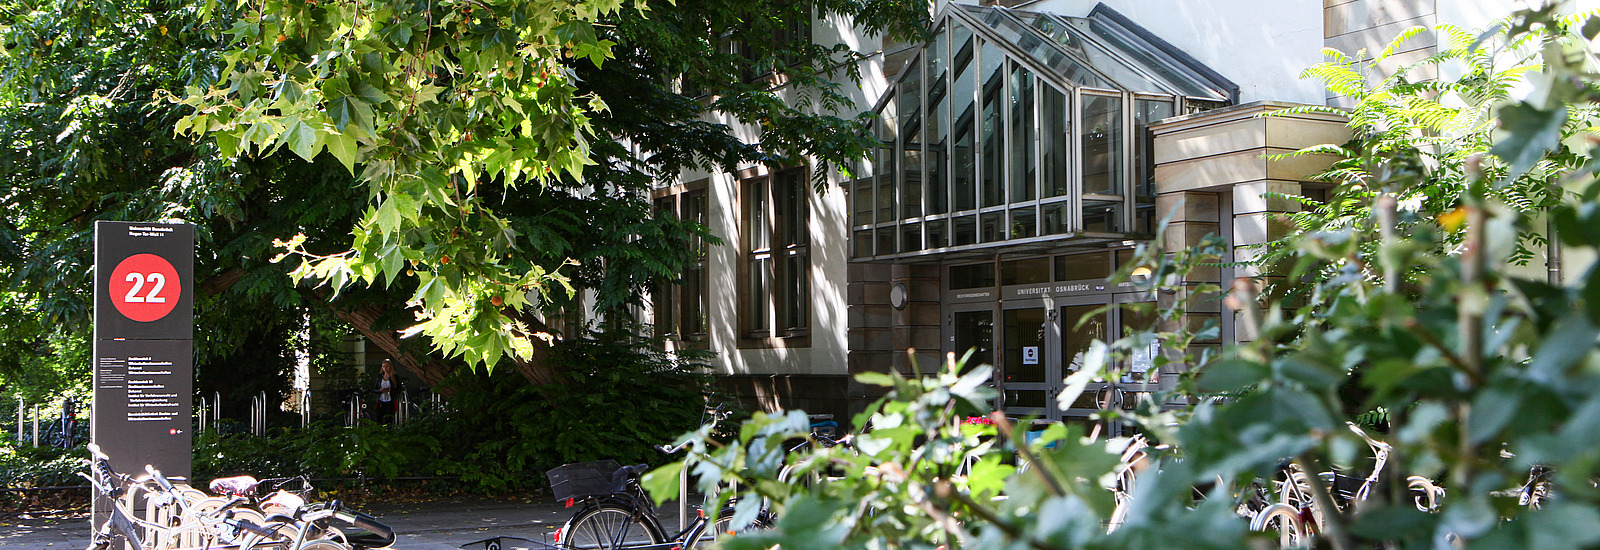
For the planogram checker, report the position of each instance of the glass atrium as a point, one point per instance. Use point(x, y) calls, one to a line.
point(1022, 131)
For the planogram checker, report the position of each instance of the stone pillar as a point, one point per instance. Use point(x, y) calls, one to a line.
point(870, 334)
point(1260, 216)
point(1193, 216)
point(916, 325)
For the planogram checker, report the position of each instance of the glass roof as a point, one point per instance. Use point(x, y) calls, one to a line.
point(1104, 50)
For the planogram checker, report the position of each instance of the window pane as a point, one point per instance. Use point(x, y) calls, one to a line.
point(937, 236)
point(794, 295)
point(1057, 217)
point(974, 331)
point(1074, 267)
point(911, 237)
point(861, 199)
point(1025, 272)
point(966, 230)
point(1102, 145)
point(1145, 112)
point(863, 242)
point(962, 91)
point(972, 276)
point(1102, 217)
point(1022, 222)
point(888, 130)
point(1023, 328)
point(1076, 339)
point(1055, 142)
point(886, 238)
point(993, 133)
point(760, 273)
point(696, 210)
point(1144, 217)
point(937, 129)
point(692, 305)
point(885, 195)
point(991, 226)
point(791, 208)
point(757, 226)
point(1024, 159)
point(911, 136)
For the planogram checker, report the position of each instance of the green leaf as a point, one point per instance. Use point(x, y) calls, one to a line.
point(1530, 133)
point(342, 111)
point(343, 148)
point(876, 379)
point(663, 483)
point(301, 139)
point(1570, 340)
point(1492, 410)
point(1230, 375)
point(387, 217)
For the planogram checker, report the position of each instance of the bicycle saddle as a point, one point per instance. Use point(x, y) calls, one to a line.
point(239, 486)
point(627, 472)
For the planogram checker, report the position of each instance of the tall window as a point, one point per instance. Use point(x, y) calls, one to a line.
point(680, 306)
point(775, 285)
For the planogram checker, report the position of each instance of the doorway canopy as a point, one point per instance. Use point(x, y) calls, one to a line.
point(1016, 131)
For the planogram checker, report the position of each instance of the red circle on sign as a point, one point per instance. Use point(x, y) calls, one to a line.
point(145, 287)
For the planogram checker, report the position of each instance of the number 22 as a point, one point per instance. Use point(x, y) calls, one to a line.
point(157, 282)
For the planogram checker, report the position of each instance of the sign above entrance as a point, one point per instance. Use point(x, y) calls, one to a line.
point(1065, 288)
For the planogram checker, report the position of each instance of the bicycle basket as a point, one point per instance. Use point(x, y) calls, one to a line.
point(586, 479)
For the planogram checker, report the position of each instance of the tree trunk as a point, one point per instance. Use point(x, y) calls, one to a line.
point(365, 320)
point(537, 369)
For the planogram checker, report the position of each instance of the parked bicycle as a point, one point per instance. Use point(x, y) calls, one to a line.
point(164, 500)
point(1297, 518)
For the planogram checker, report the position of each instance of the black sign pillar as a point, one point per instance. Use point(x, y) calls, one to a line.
point(143, 346)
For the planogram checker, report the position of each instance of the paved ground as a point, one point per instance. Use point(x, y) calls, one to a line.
point(438, 525)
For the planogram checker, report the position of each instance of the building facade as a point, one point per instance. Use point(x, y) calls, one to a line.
point(1027, 149)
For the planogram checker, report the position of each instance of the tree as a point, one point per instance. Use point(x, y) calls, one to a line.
point(450, 109)
point(1485, 371)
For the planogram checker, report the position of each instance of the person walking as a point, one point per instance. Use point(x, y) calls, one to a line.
point(387, 384)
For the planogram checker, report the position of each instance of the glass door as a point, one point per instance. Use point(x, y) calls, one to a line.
point(1082, 321)
point(972, 328)
point(1029, 375)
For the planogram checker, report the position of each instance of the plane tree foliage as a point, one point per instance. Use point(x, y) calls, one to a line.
point(421, 168)
point(454, 112)
point(1486, 370)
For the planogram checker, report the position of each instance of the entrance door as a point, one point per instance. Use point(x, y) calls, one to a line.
point(1083, 320)
point(972, 328)
point(1029, 375)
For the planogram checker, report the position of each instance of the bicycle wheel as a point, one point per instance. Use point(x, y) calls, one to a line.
point(279, 536)
point(723, 528)
point(609, 526)
point(324, 544)
point(1285, 520)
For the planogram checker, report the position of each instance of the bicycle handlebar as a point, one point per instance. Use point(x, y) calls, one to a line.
point(160, 479)
point(369, 523)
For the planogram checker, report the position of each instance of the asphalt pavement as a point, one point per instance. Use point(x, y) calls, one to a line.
point(444, 524)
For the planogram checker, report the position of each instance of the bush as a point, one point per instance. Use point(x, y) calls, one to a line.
point(500, 433)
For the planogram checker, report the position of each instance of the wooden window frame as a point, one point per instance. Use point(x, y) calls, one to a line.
point(673, 304)
point(766, 246)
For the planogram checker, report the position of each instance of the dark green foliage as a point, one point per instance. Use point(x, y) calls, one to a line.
point(623, 397)
point(499, 434)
